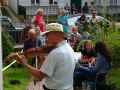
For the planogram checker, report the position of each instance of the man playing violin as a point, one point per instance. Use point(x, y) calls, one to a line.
point(58, 67)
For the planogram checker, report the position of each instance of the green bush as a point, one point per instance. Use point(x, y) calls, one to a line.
point(114, 44)
point(7, 44)
point(115, 48)
point(110, 35)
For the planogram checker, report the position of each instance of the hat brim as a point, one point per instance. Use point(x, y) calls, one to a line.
point(46, 32)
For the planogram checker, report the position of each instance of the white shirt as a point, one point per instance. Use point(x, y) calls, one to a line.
point(59, 67)
point(78, 56)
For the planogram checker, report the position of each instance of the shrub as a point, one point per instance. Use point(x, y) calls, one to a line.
point(7, 44)
point(115, 51)
point(111, 35)
point(114, 44)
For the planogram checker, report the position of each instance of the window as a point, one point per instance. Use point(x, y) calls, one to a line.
point(35, 1)
point(115, 2)
point(32, 1)
point(98, 2)
point(50, 1)
point(111, 2)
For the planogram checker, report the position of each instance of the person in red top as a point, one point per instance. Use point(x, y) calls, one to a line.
point(38, 20)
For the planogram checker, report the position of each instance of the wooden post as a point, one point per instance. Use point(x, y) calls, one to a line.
point(1, 80)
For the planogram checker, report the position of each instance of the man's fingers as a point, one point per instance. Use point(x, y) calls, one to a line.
point(18, 55)
point(19, 59)
point(11, 56)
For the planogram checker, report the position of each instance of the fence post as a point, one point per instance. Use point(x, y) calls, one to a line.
point(1, 80)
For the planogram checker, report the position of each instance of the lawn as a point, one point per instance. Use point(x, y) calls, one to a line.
point(114, 77)
point(19, 74)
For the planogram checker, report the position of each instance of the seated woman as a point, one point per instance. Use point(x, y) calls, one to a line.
point(81, 72)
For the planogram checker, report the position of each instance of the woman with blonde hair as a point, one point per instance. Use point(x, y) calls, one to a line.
point(88, 51)
point(38, 20)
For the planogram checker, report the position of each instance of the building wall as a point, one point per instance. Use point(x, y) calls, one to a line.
point(30, 8)
point(13, 5)
point(108, 2)
point(112, 6)
point(25, 2)
point(62, 3)
point(118, 2)
point(44, 2)
point(28, 3)
point(48, 10)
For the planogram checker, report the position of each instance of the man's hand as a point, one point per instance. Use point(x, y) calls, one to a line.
point(21, 59)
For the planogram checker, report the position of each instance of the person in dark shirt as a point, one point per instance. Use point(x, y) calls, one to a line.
point(25, 32)
point(31, 39)
point(85, 8)
point(83, 27)
point(30, 42)
point(103, 64)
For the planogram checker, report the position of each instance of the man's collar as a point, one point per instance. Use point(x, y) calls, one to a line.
point(61, 43)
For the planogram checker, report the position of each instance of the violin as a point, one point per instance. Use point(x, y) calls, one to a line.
point(38, 51)
point(43, 51)
point(29, 53)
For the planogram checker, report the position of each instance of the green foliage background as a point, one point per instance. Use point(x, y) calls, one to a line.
point(7, 44)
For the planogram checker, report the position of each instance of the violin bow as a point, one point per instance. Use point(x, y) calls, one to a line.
point(9, 65)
